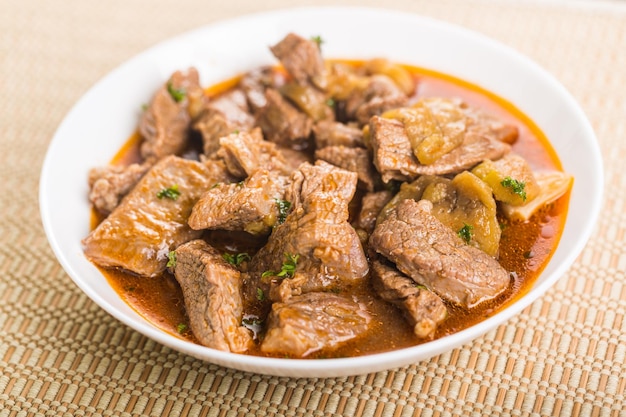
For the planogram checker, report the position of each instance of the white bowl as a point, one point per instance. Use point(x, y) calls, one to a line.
point(107, 115)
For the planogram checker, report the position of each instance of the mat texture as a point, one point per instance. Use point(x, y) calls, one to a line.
point(61, 355)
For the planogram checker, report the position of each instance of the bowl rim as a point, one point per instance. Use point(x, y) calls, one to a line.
point(336, 366)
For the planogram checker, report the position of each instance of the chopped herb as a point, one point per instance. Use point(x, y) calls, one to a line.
point(330, 102)
point(516, 186)
point(251, 321)
point(171, 259)
point(178, 94)
point(240, 184)
point(172, 192)
point(260, 295)
point(465, 233)
point(318, 40)
point(287, 269)
point(236, 259)
point(217, 184)
point(181, 328)
point(421, 287)
point(144, 107)
point(236, 132)
point(283, 210)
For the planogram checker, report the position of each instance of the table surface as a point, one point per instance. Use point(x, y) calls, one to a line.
point(60, 354)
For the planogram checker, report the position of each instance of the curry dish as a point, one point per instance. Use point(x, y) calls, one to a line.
point(325, 208)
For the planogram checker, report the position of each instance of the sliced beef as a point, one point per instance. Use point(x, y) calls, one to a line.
point(371, 205)
point(301, 58)
point(314, 321)
point(109, 184)
point(317, 228)
point(352, 159)
point(435, 256)
point(282, 123)
point(394, 157)
point(165, 123)
point(222, 116)
point(423, 309)
point(212, 292)
point(379, 95)
point(332, 133)
point(152, 219)
point(247, 152)
point(251, 205)
point(255, 82)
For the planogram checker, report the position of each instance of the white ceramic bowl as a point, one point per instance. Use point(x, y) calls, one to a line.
point(107, 115)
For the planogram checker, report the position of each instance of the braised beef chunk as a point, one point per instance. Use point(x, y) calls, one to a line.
point(423, 309)
point(212, 292)
point(301, 58)
point(311, 322)
point(250, 205)
point(247, 152)
point(371, 205)
point(332, 133)
point(109, 184)
point(152, 218)
point(394, 158)
point(164, 124)
point(255, 82)
point(282, 123)
point(222, 116)
point(436, 257)
point(352, 159)
point(316, 230)
point(380, 94)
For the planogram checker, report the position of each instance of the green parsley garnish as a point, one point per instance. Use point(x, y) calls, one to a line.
point(171, 192)
point(178, 94)
point(516, 186)
point(260, 295)
point(465, 233)
point(318, 40)
point(287, 269)
point(181, 327)
point(283, 210)
point(330, 102)
point(171, 259)
point(236, 259)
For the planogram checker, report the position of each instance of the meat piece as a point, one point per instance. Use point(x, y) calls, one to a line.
point(352, 159)
point(380, 94)
point(311, 322)
point(255, 82)
point(222, 116)
point(152, 219)
point(282, 123)
point(317, 228)
point(212, 293)
point(313, 102)
point(109, 184)
point(331, 133)
point(247, 152)
point(301, 58)
point(423, 309)
point(165, 122)
point(436, 257)
point(371, 205)
point(394, 157)
point(251, 205)
point(465, 204)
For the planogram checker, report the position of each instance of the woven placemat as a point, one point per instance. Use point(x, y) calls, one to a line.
point(60, 354)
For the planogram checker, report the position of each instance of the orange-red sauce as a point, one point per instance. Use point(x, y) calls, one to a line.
point(525, 247)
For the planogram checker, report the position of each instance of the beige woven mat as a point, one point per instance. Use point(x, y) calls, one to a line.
point(60, 354)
